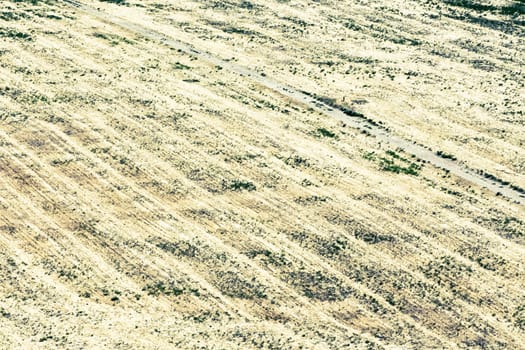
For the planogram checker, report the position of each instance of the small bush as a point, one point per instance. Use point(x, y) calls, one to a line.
point(448, 272)
point(268, 257)
point(471, 5)
point(325, 133)
point(446, 155)
point(113, 39)
point(160, 287)
point(296, 161)
point(513, 9)
point(239, 185)
point(180, 248)
point(11, 16)
point(370, 156)
point(319, 286)
point(14, 34)
point(389, 165)
point(305, 200)
point(519, 317)
point(35, 2)
point(58, 162)
point(118, 2)
point(395, 155)
point(331, 247)
point(372, 237)
point(234, 285)
point(178, 65)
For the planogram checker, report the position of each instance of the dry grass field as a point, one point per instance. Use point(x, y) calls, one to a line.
point(152, 199)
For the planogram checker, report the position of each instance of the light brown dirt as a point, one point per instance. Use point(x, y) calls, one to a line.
point(151, 200)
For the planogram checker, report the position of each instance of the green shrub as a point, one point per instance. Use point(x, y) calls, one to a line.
point(235, 285)
point(519, 317)
point(389, 165)
point(446, 155)
point(296, 161)
point(160, 287)
point(14, 34)
point(325, 133)
point(112, 38)
point(118, 2)
point(11, 16)
point(239, 185)
point(319, 286)
point(178, 65)
point(372, 237)
point(471, 5)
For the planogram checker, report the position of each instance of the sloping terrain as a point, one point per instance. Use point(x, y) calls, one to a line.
point(150, 199)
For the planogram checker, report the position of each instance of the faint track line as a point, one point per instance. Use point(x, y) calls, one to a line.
point(496, 186)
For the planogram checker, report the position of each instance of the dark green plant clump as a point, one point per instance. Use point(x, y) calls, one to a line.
point(118, 2)
point(325, 133)
point(160, 287)
point(515, 8)
point(446, 155)
point(240, 185)
point(14, 34)
point(389, 165)
point(235, 285)
point(178, 65)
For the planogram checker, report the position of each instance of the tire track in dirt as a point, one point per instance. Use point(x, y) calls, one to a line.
point(109, 250)
point(78, 173)
point(491, 184)
point(365, 125)
point(92, 244)
point(83, 152)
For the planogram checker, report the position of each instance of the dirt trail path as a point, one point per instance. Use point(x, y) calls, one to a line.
point(496, 186)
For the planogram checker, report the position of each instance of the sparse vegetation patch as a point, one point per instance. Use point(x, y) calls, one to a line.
point(391, 163)
point(117, 2)
point(320, 286)
point(239, 185)
point(325, 133)
point(15, 34)
point(446, 155)
point(165, 184)
point(234, 285)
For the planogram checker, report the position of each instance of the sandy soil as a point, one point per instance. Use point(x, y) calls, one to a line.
point(152, 200)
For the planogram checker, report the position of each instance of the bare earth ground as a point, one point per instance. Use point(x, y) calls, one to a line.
point(151, 200)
